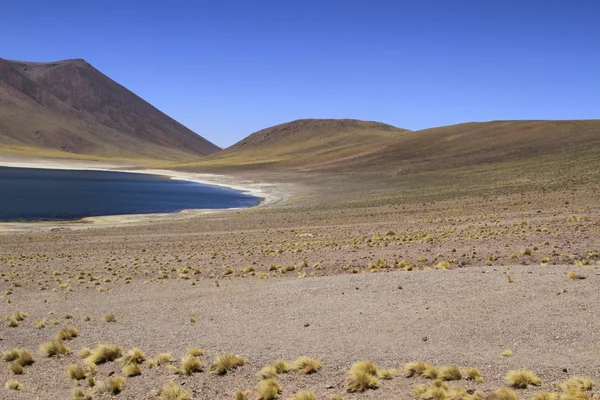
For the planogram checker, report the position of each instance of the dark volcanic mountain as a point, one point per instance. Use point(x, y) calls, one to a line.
point(69, 106)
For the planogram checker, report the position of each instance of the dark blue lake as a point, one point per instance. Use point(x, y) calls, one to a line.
point(28, 194)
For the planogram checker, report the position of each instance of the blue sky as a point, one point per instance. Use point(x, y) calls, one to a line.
point(228, 68)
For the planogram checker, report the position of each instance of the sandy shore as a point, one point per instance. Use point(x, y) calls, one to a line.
point(270, 193)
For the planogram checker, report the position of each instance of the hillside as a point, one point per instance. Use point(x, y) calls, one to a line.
point(304, 144)
point(69, 107)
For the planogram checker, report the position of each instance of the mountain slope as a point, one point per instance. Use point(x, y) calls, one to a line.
point(69, 106)
point(304, 144)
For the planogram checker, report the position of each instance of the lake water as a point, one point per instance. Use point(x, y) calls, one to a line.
point(28, 194)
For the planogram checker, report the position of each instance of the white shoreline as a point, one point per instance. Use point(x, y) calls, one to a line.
point(270, 193)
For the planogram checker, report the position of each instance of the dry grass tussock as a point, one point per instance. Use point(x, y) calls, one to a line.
point(21, 357)
point(80, 394)
point(268, 389)
point(195, 351)
point(362, 377)
point(240, 395)
point(450, 373)
point(104, 353)
point(226, 362)
point(67, 333)
point(55, 348)
point(189, 365)
point(416, 368)
point(503, 394)
point(13, 384)
point(76, 372)
point(131, 369)
point(307, 365)
point(439, 390)
point(116, 384)
point(522, 378)
point(576, 383)
point(172, 391)
point(304, 395)
point(161, 359)
point(473, 374)
point(133, 356)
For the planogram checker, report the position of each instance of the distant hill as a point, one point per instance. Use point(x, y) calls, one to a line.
point(70, 107)
point(305, 144)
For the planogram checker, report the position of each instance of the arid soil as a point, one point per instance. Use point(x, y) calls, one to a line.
point(450, 282)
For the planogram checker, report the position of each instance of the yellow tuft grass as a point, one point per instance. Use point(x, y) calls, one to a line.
point(576, 383)
point(431, 372)
point(281, 366)
point(522, 378)
point(503, 394)
point(450, 373)
point(22, 357)
point(574, 275)
point(359, 381)
point(226, 362)
point(546, 396)
point(268, 389)
point(16, 368)
point(133, 356)
point(195, 351)
point(109, 318)
point(80, 394)
point(13, 384)
point(104, 353)
point(131, 369)
point(268, 372)
point(189, 365)
point(76, 372)
point(172, 391)
point(67, 333)
point(55, 348)
point(304, 395)
point(387, 373)
point(507, 353)
point(473, 374)
point(415, 368)
point(116, 384)
point(240, 395)
point(364, 366)
point(85, 352)
point(307, 365)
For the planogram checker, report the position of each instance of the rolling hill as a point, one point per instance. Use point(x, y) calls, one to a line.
point(304, 144)
point(68, 108)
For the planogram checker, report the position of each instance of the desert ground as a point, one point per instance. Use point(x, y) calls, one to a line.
point(340, 271)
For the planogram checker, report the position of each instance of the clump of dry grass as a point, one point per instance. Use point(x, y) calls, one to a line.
point(307, 365)
point(226, 362)
point(13, 384)
point(473, 374)
point(282, 366)
point(131, 369)
point(67, 333)
point(109, 318)
point(522, 378)
point(161, 359)
point(450, 373)
point(76, 372)
point(268, 372)
point(546, 396)
point(387, 373)
point(268, 389)
point(85, 352)
point(116, 384)
point(195, 351)
point(104, 353)
point(16, 368)
point(304, 395)
point(507, 353)
point(55, 348)
point(576, 383)
point(133, 356)
point(416, 368)
point(80, 394)
point(575, 276)
point(240, 395)
point(362, 377)
point(172, 391)
point(189, 365)
point(503, 394)
point(21, 357)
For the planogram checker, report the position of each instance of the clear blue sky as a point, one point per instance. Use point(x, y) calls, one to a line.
point(228, 68)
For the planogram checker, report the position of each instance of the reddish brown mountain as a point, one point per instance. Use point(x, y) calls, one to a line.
point(69, 106)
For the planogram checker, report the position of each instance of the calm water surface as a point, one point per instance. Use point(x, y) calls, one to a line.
point(28, 194)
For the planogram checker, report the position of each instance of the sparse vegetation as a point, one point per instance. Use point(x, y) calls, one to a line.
point(172, 391)
point(14, 384)
point(55, 348)
point(522, 378)
point(226, 362)
point(104, 353)
point(116, 384)
point(307, 365)
point(268, 389)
